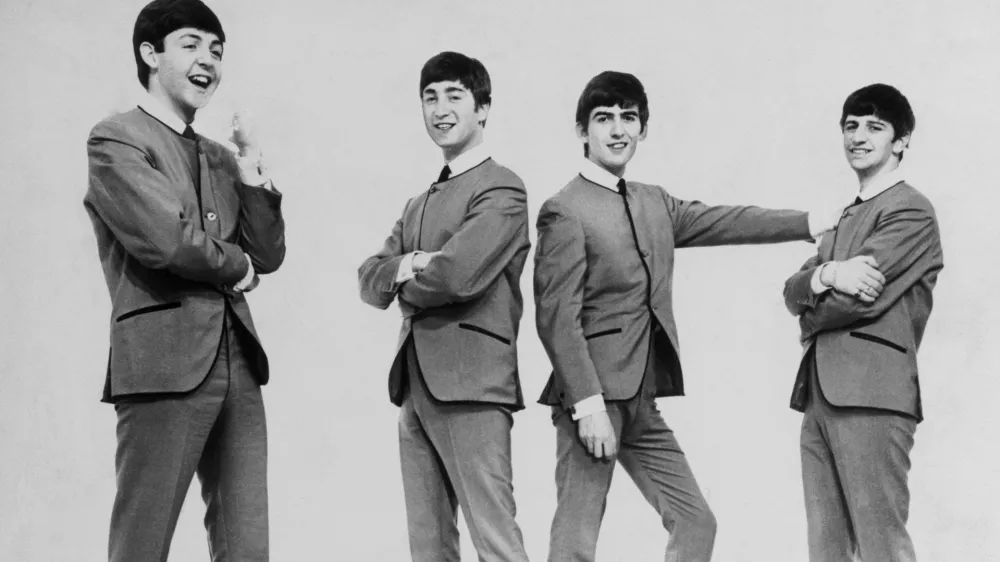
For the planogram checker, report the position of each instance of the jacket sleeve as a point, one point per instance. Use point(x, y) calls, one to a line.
point(907, 246)
point(698, 224)
point(262, 227)
point(492, 232)
point(799, 295)
point(560, 273)
point(140, 206)
point(377, 275)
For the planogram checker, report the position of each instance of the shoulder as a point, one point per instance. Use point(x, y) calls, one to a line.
point(904, 196)
point(498, 175)
point(131, 127)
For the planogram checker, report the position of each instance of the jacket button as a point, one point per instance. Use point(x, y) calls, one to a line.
point(643, 253)
point(211, 216)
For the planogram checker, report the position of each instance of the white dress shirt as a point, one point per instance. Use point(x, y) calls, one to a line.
point(877, 186)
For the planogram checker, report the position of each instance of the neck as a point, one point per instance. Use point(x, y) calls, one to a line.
point(617, 171)
point(453, 152)
point(186, 114)
point(866, 177)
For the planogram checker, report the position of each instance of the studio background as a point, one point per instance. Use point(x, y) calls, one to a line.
point(744, 102)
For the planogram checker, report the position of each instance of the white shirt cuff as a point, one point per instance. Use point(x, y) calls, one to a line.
point(588, 406)
point(405, 271)
point(253, 171)
point(817, 286)
point(248, 278)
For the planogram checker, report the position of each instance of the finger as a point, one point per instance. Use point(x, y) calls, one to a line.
point(872, 281)
point(870, 260)
point(866, 299)
point(599, 450)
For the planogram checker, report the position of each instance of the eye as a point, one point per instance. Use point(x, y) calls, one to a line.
point(217, 54)
point(630, 118)
point(455, 98)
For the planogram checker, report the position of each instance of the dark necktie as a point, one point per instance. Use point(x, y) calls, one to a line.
point(189, 134)
point(623, 191)
point(445, 174)
point(858, 200)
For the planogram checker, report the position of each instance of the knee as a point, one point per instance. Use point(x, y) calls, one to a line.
point(698, 522)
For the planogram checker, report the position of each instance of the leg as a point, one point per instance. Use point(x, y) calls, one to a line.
point(830, 532)
point(160, 441)
point(582, 484)
point(233, 469)
point(474, 445)
point(872, 450)
point(431, 504)
point(653, 458)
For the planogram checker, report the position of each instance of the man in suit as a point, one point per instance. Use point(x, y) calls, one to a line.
point(453, 262)
point(603, 271)
point(183, 229)
point(863, 302)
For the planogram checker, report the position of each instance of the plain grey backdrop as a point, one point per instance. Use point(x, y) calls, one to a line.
point(744, 101)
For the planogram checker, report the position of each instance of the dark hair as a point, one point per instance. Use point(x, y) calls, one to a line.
point(451, 66)
point(609, 89)
point(885, 103)
point(161, 18)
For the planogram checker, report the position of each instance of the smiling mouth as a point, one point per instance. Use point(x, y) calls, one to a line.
point(860, 151)
point(200, 81)
point(617, 145)
point(444, 126)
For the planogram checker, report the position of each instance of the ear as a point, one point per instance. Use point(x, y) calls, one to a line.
point(581, 133)
point(900, 144)
point(149, 56)
point(645, 131)
point(482, 113)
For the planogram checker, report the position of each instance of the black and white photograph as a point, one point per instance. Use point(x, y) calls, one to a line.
point(499, 281)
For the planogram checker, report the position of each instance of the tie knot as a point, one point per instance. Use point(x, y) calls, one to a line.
point(189, 133)
point(445, 174)
point(621, 187)
point(858, 200)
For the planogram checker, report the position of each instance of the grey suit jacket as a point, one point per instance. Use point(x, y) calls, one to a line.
point(169, 269)
point(464, 309)
point(592, 308)
point(866, 354)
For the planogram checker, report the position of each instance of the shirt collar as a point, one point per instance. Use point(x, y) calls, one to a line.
point(469, 159)
point(599, 175)
point(157, 109)
point(881, 183)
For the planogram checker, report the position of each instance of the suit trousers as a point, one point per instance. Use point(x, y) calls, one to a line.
point(218, 431)
point(651, 455)
point(456, 455)
point(855, 463)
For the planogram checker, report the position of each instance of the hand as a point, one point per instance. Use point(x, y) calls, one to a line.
point(858, 277)
point(825, 220)
point(598, 435)
point(244, 134)
point(421, 260)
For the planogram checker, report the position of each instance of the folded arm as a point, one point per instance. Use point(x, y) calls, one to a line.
point(142, 209)
point(377, 276)
point(906, 245)
point(492, 232)
point(560, 272)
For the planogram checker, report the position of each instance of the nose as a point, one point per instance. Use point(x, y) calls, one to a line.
point(858, 135)
point(617, 128)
